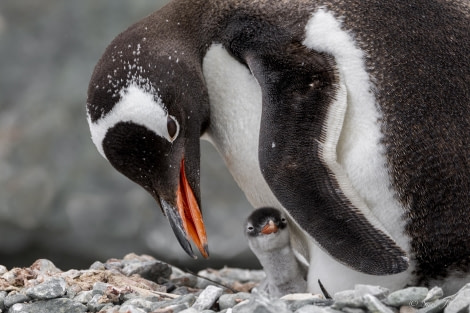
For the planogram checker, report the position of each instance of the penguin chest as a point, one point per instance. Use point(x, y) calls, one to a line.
point(235, 99)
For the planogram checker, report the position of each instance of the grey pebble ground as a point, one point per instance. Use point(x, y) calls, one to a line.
point(142, 284)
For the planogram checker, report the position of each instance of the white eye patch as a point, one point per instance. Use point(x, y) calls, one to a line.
point(136, 106)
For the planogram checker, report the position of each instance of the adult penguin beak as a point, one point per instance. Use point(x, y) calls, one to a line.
point(186, 218)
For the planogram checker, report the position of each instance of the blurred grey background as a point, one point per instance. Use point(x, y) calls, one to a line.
point(59, 199)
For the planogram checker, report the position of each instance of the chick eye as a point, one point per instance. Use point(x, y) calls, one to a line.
point(172, 127)
point(251, 228)
point(283, 220)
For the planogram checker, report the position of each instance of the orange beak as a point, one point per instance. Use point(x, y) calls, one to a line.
point(269, 228)
point(190, 214)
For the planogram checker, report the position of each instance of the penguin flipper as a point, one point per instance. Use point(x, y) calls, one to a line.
point(304, 102)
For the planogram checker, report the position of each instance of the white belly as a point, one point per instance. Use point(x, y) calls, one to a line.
point(235, 100)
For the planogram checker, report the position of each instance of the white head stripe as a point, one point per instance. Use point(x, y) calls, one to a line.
point(136, 106)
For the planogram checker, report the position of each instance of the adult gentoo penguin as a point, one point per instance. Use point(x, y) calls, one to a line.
point(352, 116)
point(267, 232)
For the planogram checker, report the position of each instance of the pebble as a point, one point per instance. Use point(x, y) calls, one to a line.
point(126, 308)
point(139, 303)
point(63, 305)
point(230, 300)
point(434, 294)
point(3, 295)
point(407, 309)
point(96, 303)
point(316, 309)
point(99, 288)
point(15, 297)
point(412, 296)
point(50, 289)
point(207, 298)
point(180, 303)
point(376, 291)
point(84, 296)
point(298, 300)
point(97, 266)
point(352, 310)
point(374, 305)
point(146, 266)
point(461, 302)
point(347, 298)
point(261, 304)
point(117, 286)
point(44, 266)
point(434, 307)
point(231, 277)
point(190, 310)
point(310, 308)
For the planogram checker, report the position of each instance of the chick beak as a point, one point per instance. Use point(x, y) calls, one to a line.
point(269, 228)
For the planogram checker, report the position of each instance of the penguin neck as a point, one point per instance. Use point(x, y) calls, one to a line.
point(196, 24)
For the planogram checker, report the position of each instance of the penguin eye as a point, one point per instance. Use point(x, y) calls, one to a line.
point(250, 228)
point(172, 127)
point(283, 220)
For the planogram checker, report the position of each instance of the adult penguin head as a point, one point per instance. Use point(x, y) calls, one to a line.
point(147, 108)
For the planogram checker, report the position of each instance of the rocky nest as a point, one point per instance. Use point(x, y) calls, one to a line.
point(142, 284)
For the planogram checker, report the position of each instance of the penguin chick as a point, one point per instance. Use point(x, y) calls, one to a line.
point(268, 236)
